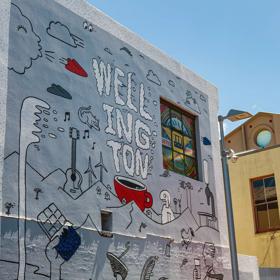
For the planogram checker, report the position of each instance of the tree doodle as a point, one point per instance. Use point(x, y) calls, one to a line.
point(37, 191)
point(98, 190)
point(9, 206)
point(23, 31)
point(107, 196)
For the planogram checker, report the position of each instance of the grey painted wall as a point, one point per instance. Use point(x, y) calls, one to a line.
point(82, 116)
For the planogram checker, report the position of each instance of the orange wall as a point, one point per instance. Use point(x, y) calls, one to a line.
point(266, 246)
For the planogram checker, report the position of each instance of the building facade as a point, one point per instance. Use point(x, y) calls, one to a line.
point(110, 162)
point(255, 185)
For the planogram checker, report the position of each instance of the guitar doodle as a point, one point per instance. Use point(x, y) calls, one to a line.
point(74, 178)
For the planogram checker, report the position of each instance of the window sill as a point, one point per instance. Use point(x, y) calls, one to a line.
point(267, 231)
point(107, 234)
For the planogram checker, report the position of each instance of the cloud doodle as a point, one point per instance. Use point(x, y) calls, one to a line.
point(26, 43)
point(62, 33)
point(59, 91)
point(125, 49)
point(152, 77)
point(171, 83)
point(108, 51)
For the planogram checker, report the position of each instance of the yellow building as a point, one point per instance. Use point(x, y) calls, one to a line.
point(255, 186)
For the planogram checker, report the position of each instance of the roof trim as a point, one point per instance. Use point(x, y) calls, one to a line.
point(249, 120)
point(245, 153)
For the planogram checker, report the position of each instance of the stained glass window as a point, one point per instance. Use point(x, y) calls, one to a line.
point(265, 204)
point(178, 140)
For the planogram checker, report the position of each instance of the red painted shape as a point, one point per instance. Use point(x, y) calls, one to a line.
point(74, 67)
point(128, 190)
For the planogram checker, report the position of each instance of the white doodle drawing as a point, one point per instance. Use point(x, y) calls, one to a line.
point(25, 42)
point(29, 119)
point(86, 117)
point(166, 211)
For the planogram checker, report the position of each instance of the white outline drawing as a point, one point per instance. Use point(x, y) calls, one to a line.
point(29, 118)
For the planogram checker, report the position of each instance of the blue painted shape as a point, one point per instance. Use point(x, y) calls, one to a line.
point(69, 242)
point(206, 141)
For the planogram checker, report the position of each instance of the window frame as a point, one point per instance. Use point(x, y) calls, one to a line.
point(183, 112)
point(257, 134)
point(254, 205)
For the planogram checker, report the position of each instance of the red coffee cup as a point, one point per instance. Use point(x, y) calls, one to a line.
point(128, 190)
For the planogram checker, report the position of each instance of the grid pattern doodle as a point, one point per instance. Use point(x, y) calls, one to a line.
point(51, 220)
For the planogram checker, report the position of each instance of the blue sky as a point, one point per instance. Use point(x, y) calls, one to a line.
point(233, 44)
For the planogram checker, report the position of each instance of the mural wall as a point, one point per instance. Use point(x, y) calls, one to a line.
point(84, 136)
